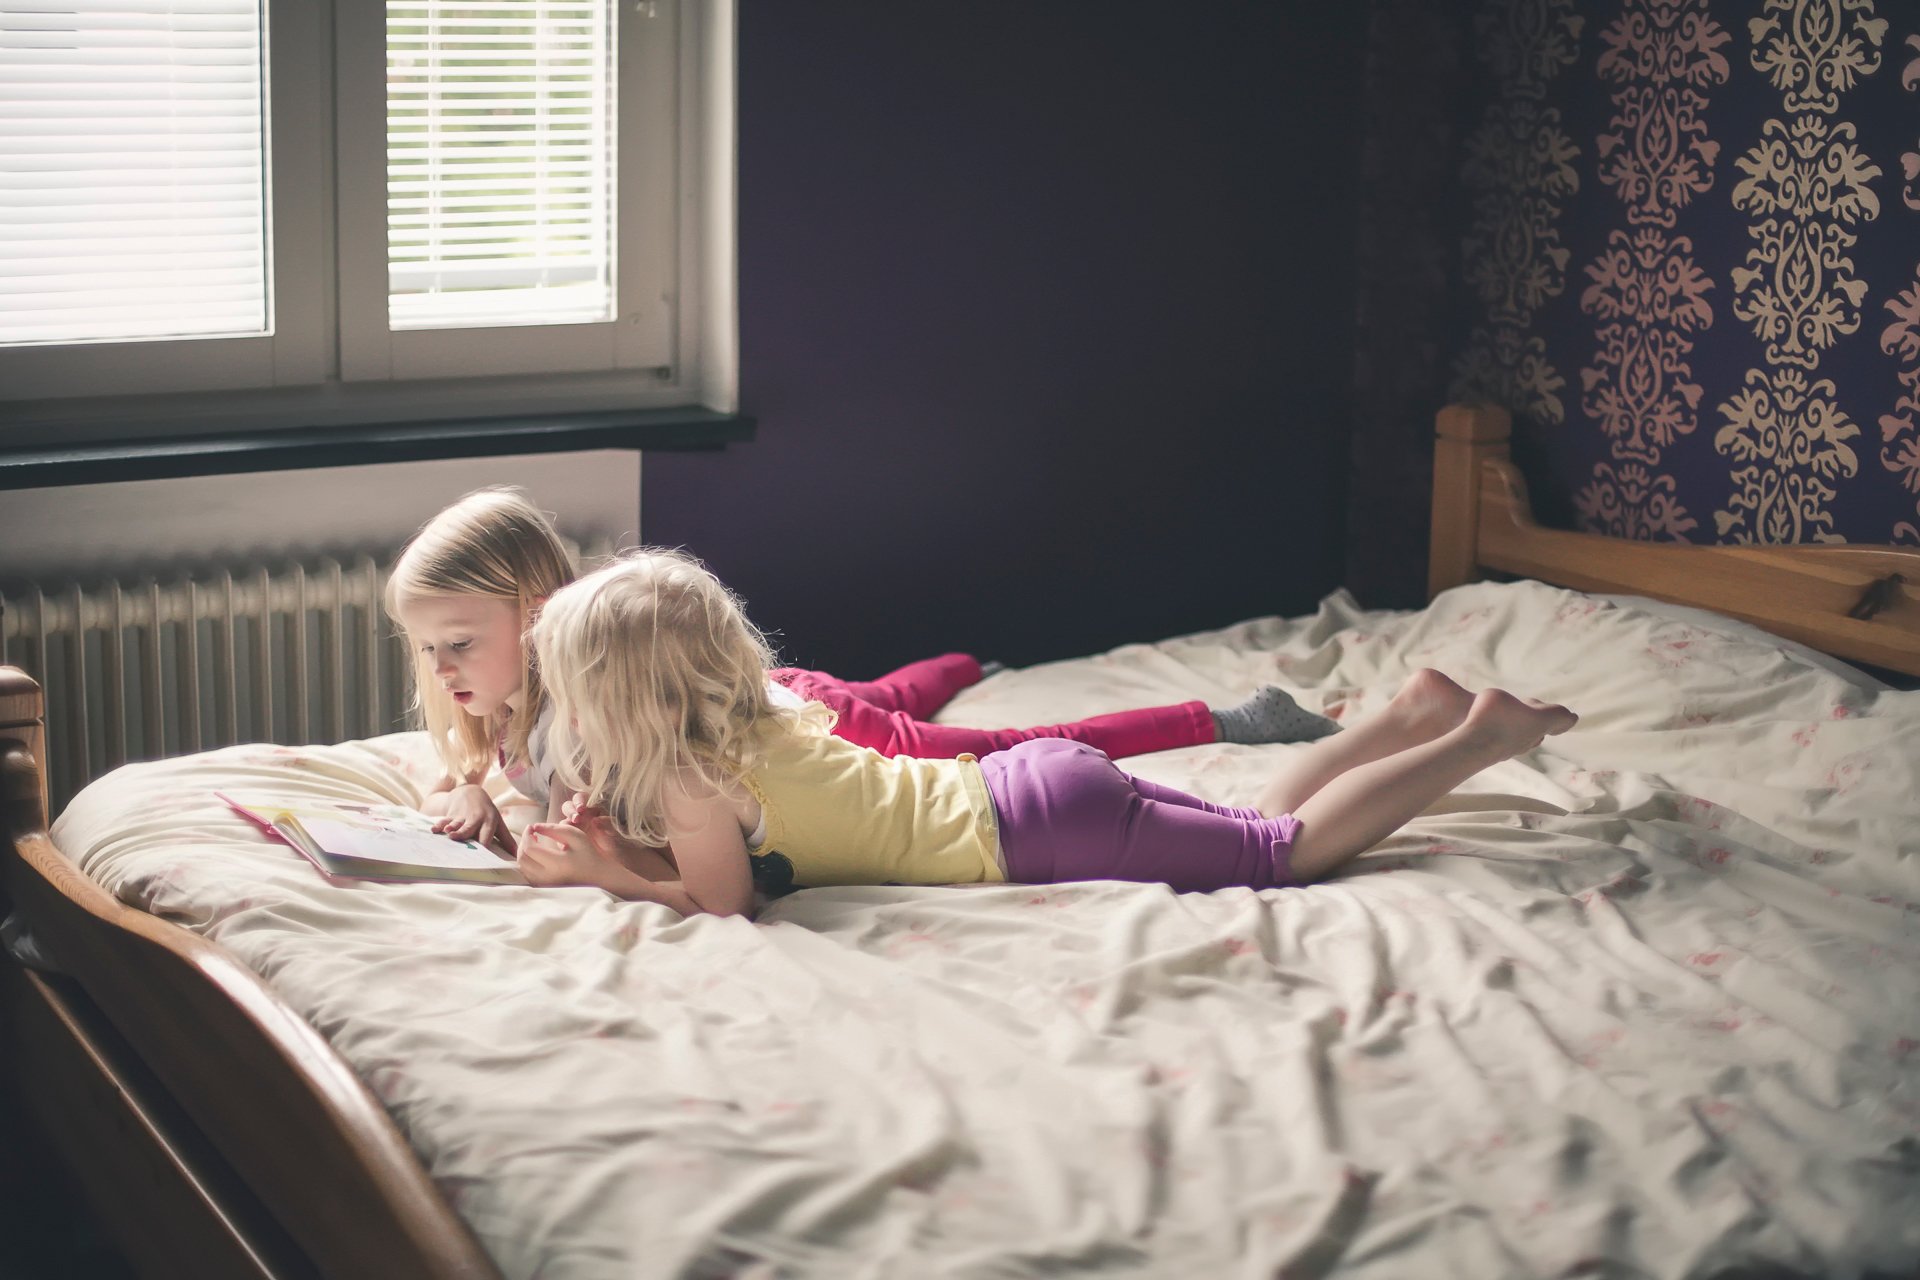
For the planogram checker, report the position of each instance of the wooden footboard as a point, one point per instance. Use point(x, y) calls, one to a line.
point(216, 1132)
point(1859, 602)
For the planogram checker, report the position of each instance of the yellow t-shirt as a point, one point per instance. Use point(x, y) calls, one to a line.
point(837, 813)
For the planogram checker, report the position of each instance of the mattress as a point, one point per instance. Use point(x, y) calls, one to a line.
point(1645, 1000)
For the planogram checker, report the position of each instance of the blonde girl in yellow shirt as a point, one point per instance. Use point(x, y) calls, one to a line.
point(664, 719)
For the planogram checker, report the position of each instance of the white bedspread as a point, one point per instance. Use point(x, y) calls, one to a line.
point(1650, 994)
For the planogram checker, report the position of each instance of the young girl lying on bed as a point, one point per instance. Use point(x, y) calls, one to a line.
point(663, 717)
point(469, 582)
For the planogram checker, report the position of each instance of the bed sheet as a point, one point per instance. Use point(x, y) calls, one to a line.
point(1643, 1001)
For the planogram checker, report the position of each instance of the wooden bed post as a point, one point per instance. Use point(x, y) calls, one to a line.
point(1468, 436)
point(216, 1133)
point(23, 711)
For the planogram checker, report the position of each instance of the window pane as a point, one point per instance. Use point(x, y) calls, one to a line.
point(133, 197)
point(499, 163)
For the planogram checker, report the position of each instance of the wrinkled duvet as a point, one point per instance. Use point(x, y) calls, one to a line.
point(1643, 1001)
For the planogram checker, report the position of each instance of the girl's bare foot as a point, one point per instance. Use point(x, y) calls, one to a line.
point(1426, 718)
point(1429, 704)
point(1512, 724)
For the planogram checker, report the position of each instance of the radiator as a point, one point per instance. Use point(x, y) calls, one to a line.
point(134, 671)
point(292, 653)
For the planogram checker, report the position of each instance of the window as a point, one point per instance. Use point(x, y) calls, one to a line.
point(144, 238)
point(500, 173)
point(232, 210)
point(136, 176)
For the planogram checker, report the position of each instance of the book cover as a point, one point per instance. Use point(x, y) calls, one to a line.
point(377, 842)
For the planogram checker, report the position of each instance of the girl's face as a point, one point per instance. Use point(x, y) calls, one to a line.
point(472, 647)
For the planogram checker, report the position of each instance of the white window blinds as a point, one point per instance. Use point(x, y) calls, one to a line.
point(133, 197)
point(500, 182)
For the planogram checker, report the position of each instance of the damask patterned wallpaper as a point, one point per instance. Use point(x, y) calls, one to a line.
point(1691, 262)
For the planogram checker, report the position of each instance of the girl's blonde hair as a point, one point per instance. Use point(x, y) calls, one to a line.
point(492, 543)
point(656, 674)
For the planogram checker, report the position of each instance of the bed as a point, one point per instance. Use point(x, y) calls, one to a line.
point(1645, 1001)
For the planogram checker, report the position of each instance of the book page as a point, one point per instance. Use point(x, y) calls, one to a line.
point(356, 837)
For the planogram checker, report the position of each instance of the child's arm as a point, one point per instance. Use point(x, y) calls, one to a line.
point(558, 853)
point(435, 805)
point(709, 848)
point(715, 875)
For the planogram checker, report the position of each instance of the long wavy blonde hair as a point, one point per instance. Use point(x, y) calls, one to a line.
point(495, 544)
point(656, 673)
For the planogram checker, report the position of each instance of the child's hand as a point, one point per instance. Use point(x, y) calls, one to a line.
point(598, 827)
point(649, 862)
point(577, 811)
point(556, 853)
point(471, 815)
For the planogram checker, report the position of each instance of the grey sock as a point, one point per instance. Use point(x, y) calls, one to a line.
point(1271, 715)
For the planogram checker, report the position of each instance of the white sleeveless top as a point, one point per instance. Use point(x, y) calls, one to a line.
point(534, 778)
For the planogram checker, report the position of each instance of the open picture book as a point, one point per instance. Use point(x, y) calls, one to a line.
point(377, 842)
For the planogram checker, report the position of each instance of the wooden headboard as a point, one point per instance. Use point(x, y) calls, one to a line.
point(1858, 602)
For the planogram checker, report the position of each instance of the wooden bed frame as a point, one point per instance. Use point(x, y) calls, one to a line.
point(213, 1131)
point(217, 1134)
point(1861, 603)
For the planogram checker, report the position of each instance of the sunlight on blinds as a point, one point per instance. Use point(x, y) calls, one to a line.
point(133, 195)
point(499, 163)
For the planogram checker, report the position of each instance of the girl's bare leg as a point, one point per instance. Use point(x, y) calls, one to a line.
point(1426, 706)
point(1351, 813)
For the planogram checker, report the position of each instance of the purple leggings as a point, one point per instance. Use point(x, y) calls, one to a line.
point(1066, 813)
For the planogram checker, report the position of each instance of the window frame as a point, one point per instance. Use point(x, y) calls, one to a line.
point(322, 367)
point(291, 351)
point(639, 336)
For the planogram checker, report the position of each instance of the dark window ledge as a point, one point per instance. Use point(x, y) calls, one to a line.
point(298, 448)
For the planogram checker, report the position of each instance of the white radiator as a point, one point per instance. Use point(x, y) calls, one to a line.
point(292, 653)
point(295, 653)
point(287, 652)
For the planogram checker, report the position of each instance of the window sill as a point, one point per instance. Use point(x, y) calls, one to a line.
point(46, 466)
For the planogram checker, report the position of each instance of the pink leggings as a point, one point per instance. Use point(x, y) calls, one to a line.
point(1066, 813)
point(889, 715)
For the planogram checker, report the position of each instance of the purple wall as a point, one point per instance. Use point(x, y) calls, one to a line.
point(1046, 318)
